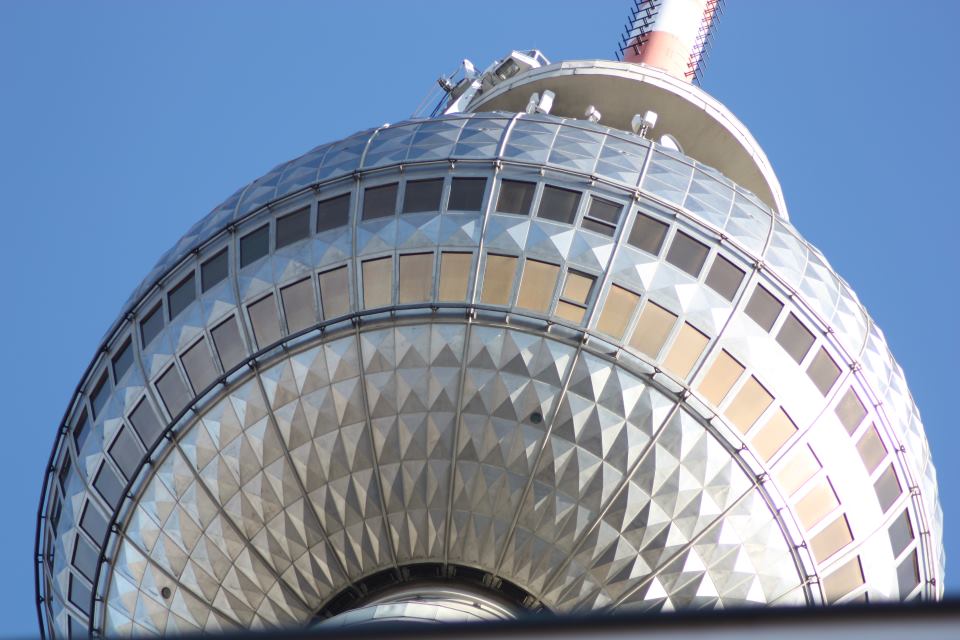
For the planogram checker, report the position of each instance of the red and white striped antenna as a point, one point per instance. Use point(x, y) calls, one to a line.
point(672, 35)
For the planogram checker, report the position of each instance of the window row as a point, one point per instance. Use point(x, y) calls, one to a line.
point(794, 337)
point(560, 205)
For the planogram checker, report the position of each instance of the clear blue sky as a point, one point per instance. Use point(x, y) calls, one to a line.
point(121, 124)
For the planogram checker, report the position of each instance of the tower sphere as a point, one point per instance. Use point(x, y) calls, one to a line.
point(527, 360)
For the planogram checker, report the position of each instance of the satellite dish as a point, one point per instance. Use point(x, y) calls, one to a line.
point(669, 142)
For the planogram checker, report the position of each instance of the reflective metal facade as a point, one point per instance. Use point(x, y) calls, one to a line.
point(588, 403)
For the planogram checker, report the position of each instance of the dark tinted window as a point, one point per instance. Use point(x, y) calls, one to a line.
point(81, 431)
point(145, 423)
point(887, 487)
point(647, 234)
point(333, 213)
point(602, 216)
point(181, 296)
point(199, 365)
point(214, 270)
point(64, 471)
point(850, 410)
point(254, 245)
point(422, 195)
point(93, 523)
point(85, 558)
point(466, 194)
point(126, 453)
point(100, 395)
point(687, 254)
point(724, 277)
point(79, 594)
point(901, 533)
point(795, 338)
point(558, 204)
point(173, 391)
point(379, 202)
point(108, 484)
point(226, 337)
point(151, 325)
point(823, 371)
point(763, 308)
point(293, 226)
point(122, 360)
point(908, 574)
point(515, 197)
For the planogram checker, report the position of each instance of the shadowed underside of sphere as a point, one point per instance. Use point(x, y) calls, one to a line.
point(537, 350)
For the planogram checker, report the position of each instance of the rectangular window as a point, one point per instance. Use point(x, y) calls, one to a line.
point(81, 431)
point(422, 195)
point(335, 293)
point(774, 434)
point(498, 279)
point(617, 311)
point(901, 533)
point(653, 328)
point(122, 360)
point(226, 337)
point(843, 580)
point(748, 405)
point(647, 234)
point(64, 472)
point(850, 411)
point(817, 504)
point(687, 254)
point(377, 282)
point(832, 538)
point(85, 557)
point(265, 321)
point(254, 245)
point(108, 485)
point(199, 366)
point(720, 378)
point(146, 423)
point(333, 213)
point(466, 194)
point(602, 216)
point(573, 297)
point(151, 325)
point(100, 395)
point(214, 270)
point(126, 453)
point(823, 371)
point(798, 468)
point(293, 227)
point(173, 391)
point(795, 338)
point(537, 283)
point(416, 278)
point(685, 351)
point(888, 488)
point(379, 202)
point(724, 277)
point(454, 276)
point(908, 574)
point(559, 204)
point(871, 449)
point(299, 305)
point(181, 296)
point(515, 197)
point(93, 523)
point(763, 308)
point(79, 594)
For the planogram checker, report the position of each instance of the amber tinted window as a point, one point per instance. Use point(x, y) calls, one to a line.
point(749, 403)
point(901, 533)
point(823, 371)
point(647, 234)
point(685, 351)
point(558, 204)
point(797, 469)
point(720, 378)
point(454, 276)
point(653, 328)
point(617, 311)
point(515, 197)
point(422, 195)
point(379, 202)
point(122, 359)
point(335, 293)
point(795, 339)
point(151, 325)
point(816, 504)
point(537, 283)
point(871, 449)
point(774, 434)
point(888, 488)
point(763, 308)
point(254, 246)
point(416, 278)
point(377, 282)
point(844, 580)
point(850, 410)
point(293, 227)
point(226, 337)
point(831, 539)
point(214, 270)
point(724, 277)
point(333, 212)
point(573, 297)
point(498, 279)
point(466, 194)
point(181, 296)
point(687, 254)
